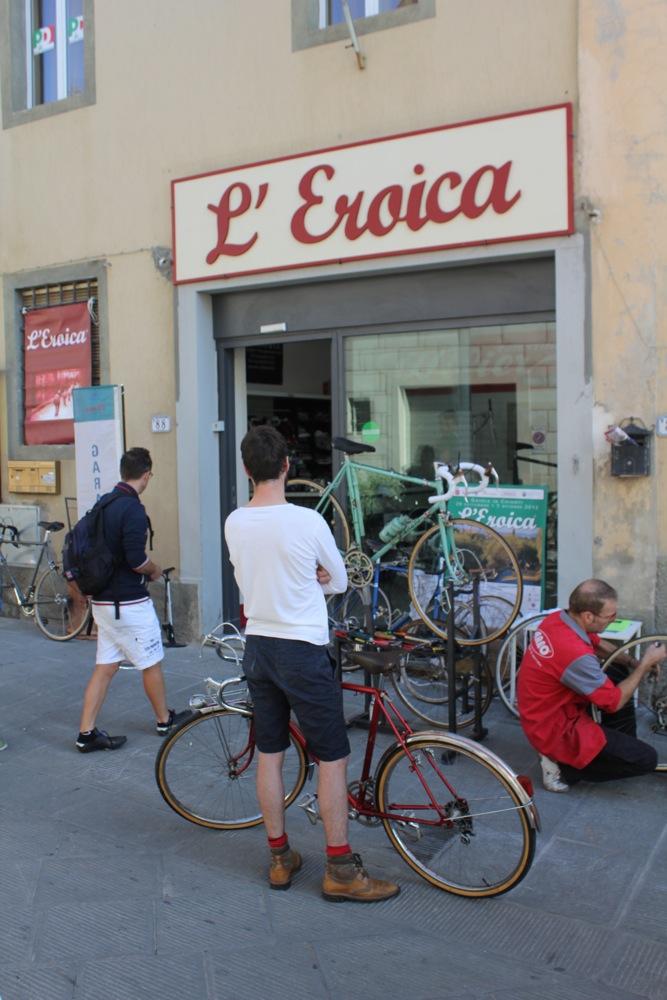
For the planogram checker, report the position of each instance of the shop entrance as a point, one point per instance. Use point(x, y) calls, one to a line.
point(284, 384)
point(457, 363)
point(289, 387)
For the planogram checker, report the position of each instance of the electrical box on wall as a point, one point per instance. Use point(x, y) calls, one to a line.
point(34, 477)
point(632, 457)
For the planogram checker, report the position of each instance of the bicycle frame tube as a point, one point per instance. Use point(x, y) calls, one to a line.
point(24, 598)
point(351, 468)
point(383, 707)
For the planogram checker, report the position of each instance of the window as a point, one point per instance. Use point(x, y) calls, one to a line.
point(46, 57)
point(55, 35)
point(317, 22)
point(331, 11)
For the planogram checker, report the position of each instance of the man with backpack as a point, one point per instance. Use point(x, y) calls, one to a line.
point(127, 626)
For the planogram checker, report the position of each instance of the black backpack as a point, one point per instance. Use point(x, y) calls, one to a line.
point(87, 559)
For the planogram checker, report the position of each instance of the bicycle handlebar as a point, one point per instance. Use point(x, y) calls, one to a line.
point(12, 531)
point(454, 476)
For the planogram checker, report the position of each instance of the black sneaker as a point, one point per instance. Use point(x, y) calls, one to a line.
point(99, 740)
point(175, 719)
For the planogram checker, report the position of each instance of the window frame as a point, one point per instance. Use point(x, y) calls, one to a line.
point(16, 69)
point(306, 30)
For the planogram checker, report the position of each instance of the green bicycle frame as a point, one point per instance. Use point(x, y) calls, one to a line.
point(348, 474)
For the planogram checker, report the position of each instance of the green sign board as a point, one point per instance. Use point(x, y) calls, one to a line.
point(519, 514)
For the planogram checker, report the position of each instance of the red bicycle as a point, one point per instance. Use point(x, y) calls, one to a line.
point(454, 811)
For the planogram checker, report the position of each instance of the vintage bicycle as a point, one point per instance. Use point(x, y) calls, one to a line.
point(59, 613)
point(453, 810)
point(443, 548)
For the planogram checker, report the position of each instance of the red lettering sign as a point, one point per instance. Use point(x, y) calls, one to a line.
point(57, 359)
point(468, 184)
point(378, 214)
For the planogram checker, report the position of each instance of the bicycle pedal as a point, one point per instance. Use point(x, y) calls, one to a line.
point(310, 806)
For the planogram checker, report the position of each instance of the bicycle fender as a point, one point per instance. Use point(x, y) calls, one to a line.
point(457, 742)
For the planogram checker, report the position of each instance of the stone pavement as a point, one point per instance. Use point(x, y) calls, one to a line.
point(105, 893)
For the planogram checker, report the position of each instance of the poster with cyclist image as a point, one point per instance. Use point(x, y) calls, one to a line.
point(519, 514)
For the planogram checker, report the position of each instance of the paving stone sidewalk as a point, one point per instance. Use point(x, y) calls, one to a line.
point(105, 893)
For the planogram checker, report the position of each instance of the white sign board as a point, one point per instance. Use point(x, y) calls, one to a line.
point(489, 181)
point(98, 442)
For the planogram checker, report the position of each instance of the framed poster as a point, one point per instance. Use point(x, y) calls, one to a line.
point(519, 514)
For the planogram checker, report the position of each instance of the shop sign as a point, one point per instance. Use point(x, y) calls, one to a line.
point(57, 359)
point(98, 442)
point(489, 181)
point(519, 514)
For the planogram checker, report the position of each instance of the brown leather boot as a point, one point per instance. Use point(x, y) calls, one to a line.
point(346, 878)
point(284, 862)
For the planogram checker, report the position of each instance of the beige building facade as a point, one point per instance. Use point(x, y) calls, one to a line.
point(538, 336)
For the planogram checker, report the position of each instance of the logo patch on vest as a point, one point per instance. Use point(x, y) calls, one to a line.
point(544, 647)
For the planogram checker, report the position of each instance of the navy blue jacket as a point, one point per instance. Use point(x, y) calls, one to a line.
point(125, 532)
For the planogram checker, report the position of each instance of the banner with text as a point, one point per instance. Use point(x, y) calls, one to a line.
point(98, 442)
point(57, 360)
point(476, 182)
point(519, 514)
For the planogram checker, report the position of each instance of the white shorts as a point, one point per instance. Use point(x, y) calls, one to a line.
point(135, 636)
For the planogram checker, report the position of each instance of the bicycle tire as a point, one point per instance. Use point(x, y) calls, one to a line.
point(483, 553)
point(421, 682)
point(8, 594)
point(54, 607)
point(489, 844)
point(645, 711)
point(508, 661)
point(306, 493)
point(205, 770)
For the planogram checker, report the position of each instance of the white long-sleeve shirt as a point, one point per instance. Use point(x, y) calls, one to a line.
point(275, 551)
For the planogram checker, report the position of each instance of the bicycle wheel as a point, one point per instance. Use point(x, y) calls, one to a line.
point(206, 769)
point(422, 684)
point(508, 659)
point(480, 553)
point(650, 702)
point(480, 840)
point(353, 610)
point(60, 612)
point(306, 493)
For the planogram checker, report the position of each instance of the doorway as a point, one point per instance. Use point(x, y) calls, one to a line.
point(287, 385)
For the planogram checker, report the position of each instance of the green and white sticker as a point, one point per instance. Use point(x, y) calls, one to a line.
point(370, 432)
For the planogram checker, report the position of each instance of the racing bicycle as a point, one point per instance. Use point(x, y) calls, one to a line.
point(60, 612)
point(454, 811)
point(443, 548)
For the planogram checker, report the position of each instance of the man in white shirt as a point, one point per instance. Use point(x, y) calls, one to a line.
point(285, 560)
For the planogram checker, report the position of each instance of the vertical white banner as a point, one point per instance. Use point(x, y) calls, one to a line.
point(98, 442)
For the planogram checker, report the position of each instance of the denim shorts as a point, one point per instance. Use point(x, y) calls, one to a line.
point(287, 675)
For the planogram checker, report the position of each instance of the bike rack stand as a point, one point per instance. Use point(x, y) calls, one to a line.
point(478, 730)
point(362, 719)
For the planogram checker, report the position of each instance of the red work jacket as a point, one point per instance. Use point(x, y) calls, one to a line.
point(559, 678)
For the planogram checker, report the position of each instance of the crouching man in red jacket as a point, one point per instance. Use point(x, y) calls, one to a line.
point(561, 677)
